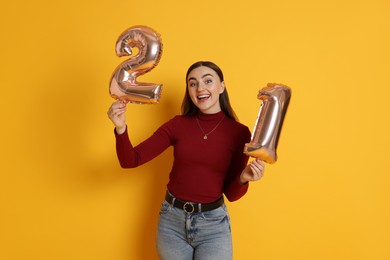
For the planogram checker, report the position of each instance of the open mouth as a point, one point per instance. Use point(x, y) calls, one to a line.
point(203, 97)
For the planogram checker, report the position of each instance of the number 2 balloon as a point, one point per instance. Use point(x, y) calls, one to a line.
point(275, 99)
point(124, 85)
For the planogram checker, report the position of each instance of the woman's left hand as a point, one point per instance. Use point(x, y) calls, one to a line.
point(254, 171)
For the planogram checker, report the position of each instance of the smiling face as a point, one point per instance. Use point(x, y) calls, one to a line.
point(204, 87)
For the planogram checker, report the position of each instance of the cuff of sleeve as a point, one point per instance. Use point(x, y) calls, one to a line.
point(125, 132)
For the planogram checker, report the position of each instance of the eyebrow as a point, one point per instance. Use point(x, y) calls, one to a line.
point(205, 75)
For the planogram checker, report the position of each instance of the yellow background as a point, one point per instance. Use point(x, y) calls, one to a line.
point(62, 192)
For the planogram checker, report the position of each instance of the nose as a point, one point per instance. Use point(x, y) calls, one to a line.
point(201, 86)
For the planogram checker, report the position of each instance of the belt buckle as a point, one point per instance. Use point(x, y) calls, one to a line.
point(188, 211)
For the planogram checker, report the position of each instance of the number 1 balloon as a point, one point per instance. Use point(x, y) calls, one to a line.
point(124, 85)
point(275, 99)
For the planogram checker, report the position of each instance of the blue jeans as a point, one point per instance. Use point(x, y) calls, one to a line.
point(196, 236)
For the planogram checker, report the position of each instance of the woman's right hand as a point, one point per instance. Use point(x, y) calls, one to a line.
point(117, 114)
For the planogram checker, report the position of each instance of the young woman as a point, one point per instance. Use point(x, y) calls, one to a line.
point(208, 163)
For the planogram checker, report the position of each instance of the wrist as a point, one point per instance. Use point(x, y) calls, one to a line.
point(243, 181)
point(120, 130)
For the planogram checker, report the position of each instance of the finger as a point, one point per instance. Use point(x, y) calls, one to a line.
point(257, 165)
point(257, 172)
point(258, 162)
point(118, 109)
point(118, 104)
point(112, 113)
point(260, 165)
point(255, 176)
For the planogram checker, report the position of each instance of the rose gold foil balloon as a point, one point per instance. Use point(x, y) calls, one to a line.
point(124, 85)
point(275, 99)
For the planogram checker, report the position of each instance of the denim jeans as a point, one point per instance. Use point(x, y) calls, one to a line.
point(196, 236)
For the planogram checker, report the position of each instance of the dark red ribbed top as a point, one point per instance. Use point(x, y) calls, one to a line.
point(202, 170)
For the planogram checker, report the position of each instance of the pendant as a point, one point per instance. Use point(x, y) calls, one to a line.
point(205, 137)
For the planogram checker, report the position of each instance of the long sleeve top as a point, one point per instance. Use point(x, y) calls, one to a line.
point(203, 169)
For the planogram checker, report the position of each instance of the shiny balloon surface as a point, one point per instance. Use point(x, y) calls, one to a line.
point(124, 85)
point(275, 100)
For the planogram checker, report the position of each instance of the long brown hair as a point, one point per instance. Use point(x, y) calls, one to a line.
point(188, 108)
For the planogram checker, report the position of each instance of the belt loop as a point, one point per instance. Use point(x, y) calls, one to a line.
point(200, 207)
point(173, 198)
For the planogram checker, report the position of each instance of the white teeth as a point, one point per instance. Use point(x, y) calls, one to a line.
point(203, 96)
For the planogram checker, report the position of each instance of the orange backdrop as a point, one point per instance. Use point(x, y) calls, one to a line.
point(63, 194)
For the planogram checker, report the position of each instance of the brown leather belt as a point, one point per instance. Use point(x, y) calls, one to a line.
point(192, 207)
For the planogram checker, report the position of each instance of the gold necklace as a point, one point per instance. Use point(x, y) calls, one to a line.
point(206, 134)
